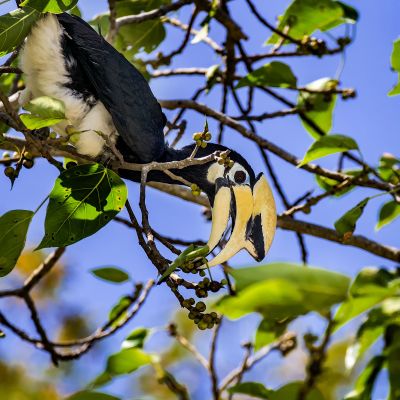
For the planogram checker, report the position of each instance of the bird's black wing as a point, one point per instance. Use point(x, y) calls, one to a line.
point(122, 89)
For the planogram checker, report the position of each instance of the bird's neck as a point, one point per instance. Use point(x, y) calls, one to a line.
point(171, 154)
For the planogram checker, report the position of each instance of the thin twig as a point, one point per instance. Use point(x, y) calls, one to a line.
point(212, 368)
point(149, 15)
point(184, 342)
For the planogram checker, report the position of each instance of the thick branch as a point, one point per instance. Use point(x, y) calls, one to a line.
point(288, 223)
point(281, 153)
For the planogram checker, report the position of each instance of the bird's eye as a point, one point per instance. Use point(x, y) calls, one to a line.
point(240, 176)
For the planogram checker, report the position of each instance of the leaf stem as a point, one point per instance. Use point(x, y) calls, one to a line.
point(41, 204)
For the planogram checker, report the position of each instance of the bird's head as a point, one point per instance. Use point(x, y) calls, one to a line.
point(239, 198)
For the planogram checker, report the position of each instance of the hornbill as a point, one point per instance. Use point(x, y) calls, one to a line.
point(65, 58)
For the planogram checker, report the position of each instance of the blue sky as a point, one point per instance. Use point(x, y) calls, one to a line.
point(372, 119)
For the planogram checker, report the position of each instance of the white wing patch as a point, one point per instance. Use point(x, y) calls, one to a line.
point(43, 64)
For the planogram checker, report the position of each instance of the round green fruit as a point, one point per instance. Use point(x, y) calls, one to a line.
point(9, 172)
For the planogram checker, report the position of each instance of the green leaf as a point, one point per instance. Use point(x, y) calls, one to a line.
point(292, 291)
point(111, 274)
point(13, 229)
point(388, 213)
point(127, 361)
point(292, 391)
point(268, 331)
point(395, 62)
point(372, 281)
point(328, 184)
point(275, 74)
point(327, 145)
point(2, 334)
point(45, 111)
point(395, 57)
point(88, 395)
point(396, 88)
point(389, 168)
point(34, 122)
point(46, 107)
point(370, 287)
point(347, 222)
point(136, 338)
point(14, 27)
point(354, 307)
point(366, 380)
point(103, 379)
point(318, 107)
point(279, 303)
point(123, 362)
point(144, 36)
point(76, 11)
point(120, 310)
point(303, 17)
point(350, 14)
point(253, 389)
point(392, 351)
point(84, 199)
point(6, 82)
point(368, 333)
point(52, 6)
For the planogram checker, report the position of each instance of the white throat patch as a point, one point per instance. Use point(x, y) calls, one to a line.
point(217, 171)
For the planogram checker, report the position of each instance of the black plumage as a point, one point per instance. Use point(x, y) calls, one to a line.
point(103, 72)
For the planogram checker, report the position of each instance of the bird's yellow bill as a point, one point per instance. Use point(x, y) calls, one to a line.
point(254, 220)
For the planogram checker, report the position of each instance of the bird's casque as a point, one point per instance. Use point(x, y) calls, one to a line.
point(65, 58)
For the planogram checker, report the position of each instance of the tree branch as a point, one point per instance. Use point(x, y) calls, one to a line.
point(153, 14)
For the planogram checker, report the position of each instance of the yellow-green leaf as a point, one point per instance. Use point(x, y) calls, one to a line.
point(253, 389)
point(89, 395)
point(13, 229)
point(347, 222)
point(52, 6)
point(45, 111)
point(327, 145)
point(318, 106)
point(388, 213)
point(275, 74)
point(14, 27)
point(124, 362)
point(395, 62)
point(132, 38)
point(292, 391)
point(268, 331)
point(127, 361)
point(329, 183)
point(35, 122)
point(370, 287)
point(303, 17)
point(366, 380)
point(368, 333)
point(136, 339)
point(46, 107)
point(292, 291)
